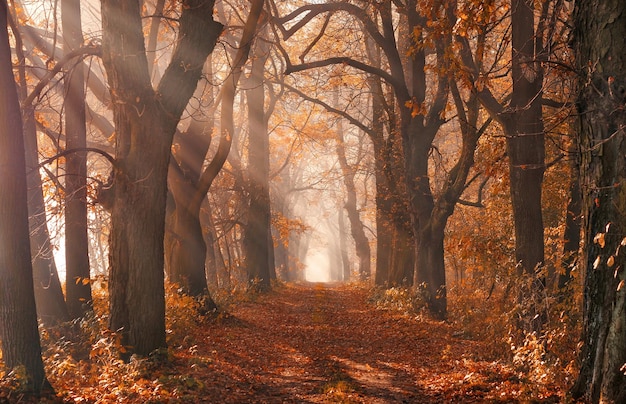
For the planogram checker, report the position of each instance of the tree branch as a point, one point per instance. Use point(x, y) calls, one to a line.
point(64, 153)
point(345, 61)
point(89, 50)
point(331, 109)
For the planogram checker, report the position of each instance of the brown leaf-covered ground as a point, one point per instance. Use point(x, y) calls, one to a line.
point(300, 343)
point(314, 343)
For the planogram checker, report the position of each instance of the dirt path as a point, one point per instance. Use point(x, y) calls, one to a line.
point(316, 343)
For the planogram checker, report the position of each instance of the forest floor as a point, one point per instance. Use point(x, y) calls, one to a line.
point(314, 343)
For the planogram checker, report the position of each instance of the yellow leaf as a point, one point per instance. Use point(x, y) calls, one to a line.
point(621, 285)
point(596, 263)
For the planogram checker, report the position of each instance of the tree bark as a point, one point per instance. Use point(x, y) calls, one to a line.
point(346, 270)
point(571, 234)
point(77, 269)
point(522, 123)
point(418, 129)
point(361, 241)
point(51, 307)
point(524, 132)
point(395, 251)
point(18, 317)
point(188, 250)
point(600, 28)
point(257, 240)
point(145, 122)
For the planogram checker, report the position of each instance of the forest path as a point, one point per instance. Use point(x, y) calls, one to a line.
point(313, 343)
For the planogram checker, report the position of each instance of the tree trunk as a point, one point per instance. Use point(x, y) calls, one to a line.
point(571, 233)
point(51, 307)
point(210, 240)
point(77, 269)
point(187, 254)
point(394, 253)
point(429, 276)
point(361, 242)
point(524, 132)
point(600, 28)
point(343, 248)
point(18, 317)
point(257, 239)
point(145, 122)
point(418, 129)
point(396, 211)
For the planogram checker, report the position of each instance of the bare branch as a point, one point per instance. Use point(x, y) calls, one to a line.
point(91, 49)
point(343, 61)
point(331, 109)
point(64, 153)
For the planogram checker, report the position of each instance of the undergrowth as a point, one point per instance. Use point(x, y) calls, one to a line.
point(401, 299)
point(492, 313)
point(83, 361)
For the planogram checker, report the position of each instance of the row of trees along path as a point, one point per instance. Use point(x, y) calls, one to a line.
point(311, 343)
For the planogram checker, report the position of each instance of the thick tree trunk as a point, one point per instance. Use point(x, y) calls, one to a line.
point(18, 317)
point(145, 122)
point(191, 257)
point(384, 227)
point(395, 251)
point(396, 210)
point(77, 269)
point(395, 245)
point(429, 276)
point(418, 129)
point(601, 60)
point(189, 252)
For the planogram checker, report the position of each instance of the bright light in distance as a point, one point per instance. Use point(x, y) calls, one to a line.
point(317, 266)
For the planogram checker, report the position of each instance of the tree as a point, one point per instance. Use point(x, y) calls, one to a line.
point(145, 121)
point(257, 242)
point(395, 258)
point(77, 269)
point(18, 317)
point(356, 225)
point(51, 307)
point(600, 28)
point(190, 251)
point(520, 115)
